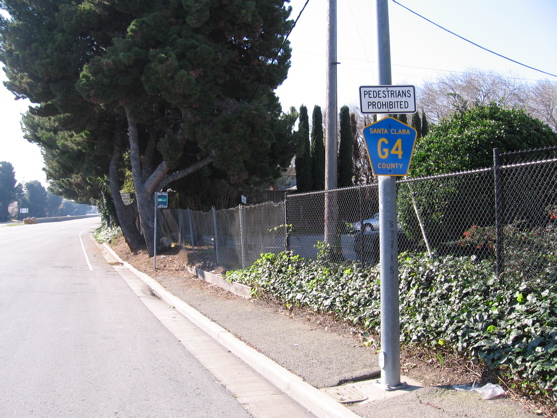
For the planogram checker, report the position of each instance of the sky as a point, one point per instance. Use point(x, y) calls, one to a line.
point(524, 31)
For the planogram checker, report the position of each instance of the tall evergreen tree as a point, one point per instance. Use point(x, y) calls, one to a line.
point(317, 149)
point(403, 118)
point(417, 124)
point(345, 172)
point(185, 84)
point(425, 124)
point(357, 151)
point(53, 204)
point(304, 179)
point(35, 199)
point(8, 189)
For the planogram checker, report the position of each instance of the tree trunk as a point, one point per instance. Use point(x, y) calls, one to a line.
point(143, 196)
point(126, 214)
point(145, 206)
point(146, 184)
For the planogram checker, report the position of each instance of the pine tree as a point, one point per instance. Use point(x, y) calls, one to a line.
point(417, 124)
point(356, 151)
point(317, 149)
point(403, 118)
point(344, 166)
point(187, 84)
point(304, 179)
point(35, 198)
point(8, 189)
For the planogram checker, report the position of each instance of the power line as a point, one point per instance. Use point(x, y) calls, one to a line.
point(473, 43)
point(360, 36)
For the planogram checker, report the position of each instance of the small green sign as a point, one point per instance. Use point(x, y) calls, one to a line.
point(162, 200)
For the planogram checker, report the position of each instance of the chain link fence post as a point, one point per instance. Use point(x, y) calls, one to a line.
point(360, 243)
point(498, 212)
point(190, 223)
point(215, 234)
point(242, 238)
point(286, 226)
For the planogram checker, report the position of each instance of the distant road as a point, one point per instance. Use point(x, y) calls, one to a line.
point(75, 341)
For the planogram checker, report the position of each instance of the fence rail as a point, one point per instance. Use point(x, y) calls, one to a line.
point(505, 213)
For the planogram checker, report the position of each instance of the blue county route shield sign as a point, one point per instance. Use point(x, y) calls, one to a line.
point(390, 144)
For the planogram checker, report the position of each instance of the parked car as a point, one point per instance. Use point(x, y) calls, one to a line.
point(371, 224)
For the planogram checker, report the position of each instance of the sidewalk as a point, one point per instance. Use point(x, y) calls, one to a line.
point(321, 370)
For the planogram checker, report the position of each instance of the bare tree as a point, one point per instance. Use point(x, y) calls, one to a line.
point(441, 98)
point(542, 102)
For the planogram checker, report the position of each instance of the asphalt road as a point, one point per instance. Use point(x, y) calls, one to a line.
point(75, 340)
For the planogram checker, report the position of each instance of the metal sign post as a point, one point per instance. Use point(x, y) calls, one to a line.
point(161, 202)
point(389, 356)
point(390, 144)
point(390, 155)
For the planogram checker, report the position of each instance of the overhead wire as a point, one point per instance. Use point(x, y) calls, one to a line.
point(471, 42)
point(360, 36)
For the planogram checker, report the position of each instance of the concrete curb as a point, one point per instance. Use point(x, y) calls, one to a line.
point(315, 401)
point(236, 288)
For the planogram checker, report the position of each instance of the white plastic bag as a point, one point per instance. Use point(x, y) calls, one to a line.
point(490, 391)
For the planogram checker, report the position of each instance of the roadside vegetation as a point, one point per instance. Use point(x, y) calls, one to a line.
point(447, 304)
point(106, 233)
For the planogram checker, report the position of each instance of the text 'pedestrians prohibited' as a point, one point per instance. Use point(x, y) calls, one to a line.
point(388, 99)
point(390, 144)
point(162, 200)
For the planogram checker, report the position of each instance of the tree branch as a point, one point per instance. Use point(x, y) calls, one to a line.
point(155, 179)
point(185, 172)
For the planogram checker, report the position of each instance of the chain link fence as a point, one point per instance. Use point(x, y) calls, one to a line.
point(526, 213)
point(236, 237)
point(505, 213)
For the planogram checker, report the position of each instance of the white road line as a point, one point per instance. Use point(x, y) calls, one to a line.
point(85, 252)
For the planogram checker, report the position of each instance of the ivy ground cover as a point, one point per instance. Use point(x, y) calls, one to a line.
point(449, 302)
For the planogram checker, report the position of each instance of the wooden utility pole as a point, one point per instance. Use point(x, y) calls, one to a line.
point(331, 126)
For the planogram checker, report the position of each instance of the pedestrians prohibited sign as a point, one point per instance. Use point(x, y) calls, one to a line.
point(162, 200)
point(388, 99)
point(390, 144)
